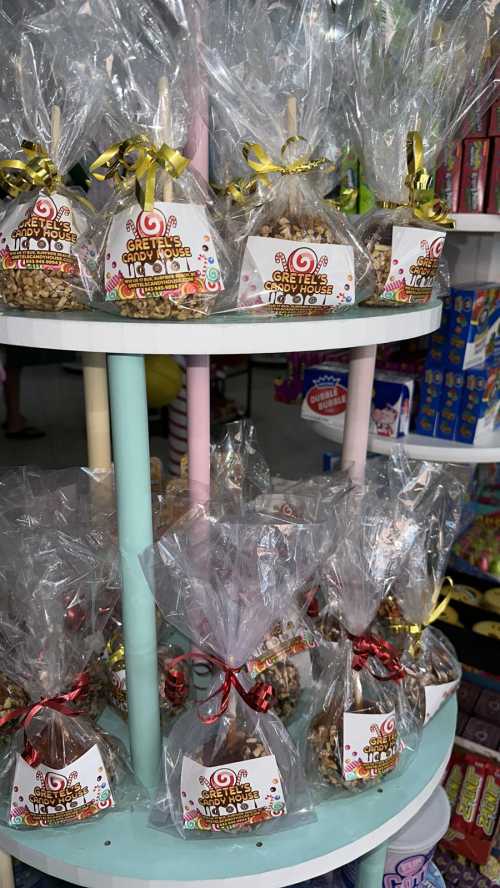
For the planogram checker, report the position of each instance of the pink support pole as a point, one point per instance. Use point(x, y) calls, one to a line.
point(177, 422)
point(198, 401)
point(198, 366)
point(357, 419)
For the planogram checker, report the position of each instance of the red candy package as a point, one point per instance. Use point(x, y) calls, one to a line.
point(473, 787)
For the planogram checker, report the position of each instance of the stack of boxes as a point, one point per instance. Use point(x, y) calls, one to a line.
point(325, 398)
point(468, 174)
point(460, 391)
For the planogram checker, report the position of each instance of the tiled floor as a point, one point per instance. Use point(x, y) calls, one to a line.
point(53, 400)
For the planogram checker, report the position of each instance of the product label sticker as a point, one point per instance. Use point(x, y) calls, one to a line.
point(371, 745)
point(407, 871)
point(119, 689)
point(436, 696)
point(414, 263)
point(285, 640)
point(165, 252)
point(233, 796)
point(293, 277)
point(39, 235)
point(42, 796)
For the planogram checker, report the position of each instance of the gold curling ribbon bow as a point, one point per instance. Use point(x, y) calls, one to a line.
point(138, 158)
point(115, 656)
point(38, 171)
point(238, 190)
point(263, 164)
point(416, 629)
point(418, 181)
point(346, 199)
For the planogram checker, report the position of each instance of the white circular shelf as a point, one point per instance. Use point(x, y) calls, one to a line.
point(482, 223)
point(422, 447)
point(122, 850)
point(222, 334)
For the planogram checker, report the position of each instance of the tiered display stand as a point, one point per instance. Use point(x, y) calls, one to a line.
point(121, 850)
point(487, 450)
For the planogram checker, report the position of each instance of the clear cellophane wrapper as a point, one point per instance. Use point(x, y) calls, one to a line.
point(47, 76)
point(434, 492)
point(224, 585)
point(239, 469)
point(297, 255)
point(175, 683)
point(359, 706)
point(167, 260)
point(393, 63)
point(59, 767)
point(239, 474)
point(295, 648)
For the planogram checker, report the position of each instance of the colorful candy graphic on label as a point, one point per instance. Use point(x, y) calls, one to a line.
point(165, 252)
point(238, 795)
point(371, 745)
point(285, 640)
point(436, 696)
point(42, 796)
point(292, 277)
point(39, 235)
point(414, 264)
point(409, 872)
point(119, 689)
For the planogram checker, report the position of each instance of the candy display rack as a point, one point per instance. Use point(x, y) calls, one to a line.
point(121, 849)
point(487, 450)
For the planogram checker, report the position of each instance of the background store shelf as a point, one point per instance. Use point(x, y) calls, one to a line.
point(122, 851)
point(423, 447)
point(480, 222)
point(221, 334)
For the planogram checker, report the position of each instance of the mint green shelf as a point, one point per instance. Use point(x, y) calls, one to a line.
point(121, 851)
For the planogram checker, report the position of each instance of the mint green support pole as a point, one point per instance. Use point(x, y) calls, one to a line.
point(129, 421)
point(371, 868)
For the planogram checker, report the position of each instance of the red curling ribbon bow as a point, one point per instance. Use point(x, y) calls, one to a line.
point(259, 697)
point(59, 703)
point(365, 646)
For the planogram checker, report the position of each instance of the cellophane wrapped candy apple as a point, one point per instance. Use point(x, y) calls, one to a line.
point(48, 64)
point(158, 254)
point(229, 764)
point(58, 767)
point(435, 493)
point(270, 90)
point(361, 728)
point(402, 107)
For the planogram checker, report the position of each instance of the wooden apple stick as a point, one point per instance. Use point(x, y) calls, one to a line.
point(55, 130)
point(165, 130)
point(291, 125)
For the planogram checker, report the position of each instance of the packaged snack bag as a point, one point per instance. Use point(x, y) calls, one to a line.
point(229, 764)
point(270, 98)
point(58, 767)
point(158, 253)
point(361, 727)
point(402, 106)
point(52, 114)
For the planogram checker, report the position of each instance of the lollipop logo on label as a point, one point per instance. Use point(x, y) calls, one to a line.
point(39, 236)
point(291, 277)
point(164, 252)
point(42, 796)
point(232, 796)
